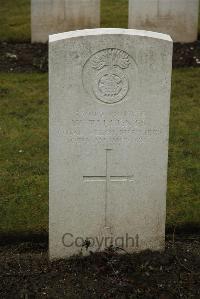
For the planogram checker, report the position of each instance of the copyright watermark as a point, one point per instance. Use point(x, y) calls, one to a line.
point(69, 240)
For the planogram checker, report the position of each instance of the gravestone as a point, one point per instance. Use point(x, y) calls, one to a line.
point(53, 16)
point(109, 122)
point(178, 18)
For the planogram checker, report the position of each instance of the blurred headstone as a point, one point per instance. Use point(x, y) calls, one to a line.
point(178, 18)
point(54, 16)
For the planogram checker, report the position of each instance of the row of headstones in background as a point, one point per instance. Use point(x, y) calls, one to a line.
point(109, 124)
point(178, 18)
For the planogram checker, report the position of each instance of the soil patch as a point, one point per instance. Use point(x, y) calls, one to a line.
point(23, 57)
point(26, 57)
point(25, 272)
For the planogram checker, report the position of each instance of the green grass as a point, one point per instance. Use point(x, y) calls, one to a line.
point(114, 13)
point(24, 152)
point(15, 18)
point(184, 151)
point(199, 21)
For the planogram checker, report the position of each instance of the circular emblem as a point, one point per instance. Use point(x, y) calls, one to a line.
point(105, 75)
point(110, 85)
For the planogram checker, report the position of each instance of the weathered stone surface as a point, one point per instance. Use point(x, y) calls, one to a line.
point(55, 16)
point(178, 18)
point(109, 121)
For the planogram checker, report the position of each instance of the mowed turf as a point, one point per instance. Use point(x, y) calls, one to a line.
point(24, 152)
point(114, 13)
point(15, 21)
point(183, 201)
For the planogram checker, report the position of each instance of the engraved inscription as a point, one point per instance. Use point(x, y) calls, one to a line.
point(107, 73)
point(109, 128)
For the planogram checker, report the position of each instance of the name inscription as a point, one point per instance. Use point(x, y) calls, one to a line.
point(108, 127)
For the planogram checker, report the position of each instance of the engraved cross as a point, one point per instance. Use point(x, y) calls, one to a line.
point(108, 179)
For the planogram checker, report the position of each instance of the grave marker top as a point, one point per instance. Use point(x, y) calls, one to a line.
point(109, 119)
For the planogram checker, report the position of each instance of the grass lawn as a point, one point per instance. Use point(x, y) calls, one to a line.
point(15, 20)
point(114, 13)
point(183, 205)
point(15, 17)
point(24, 152)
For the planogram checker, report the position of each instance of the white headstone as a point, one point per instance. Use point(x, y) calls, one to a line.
point(55, 16)
point(109, 122)
point(178, 18)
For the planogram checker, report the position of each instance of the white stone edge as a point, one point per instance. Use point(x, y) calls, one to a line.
point(104, 31)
